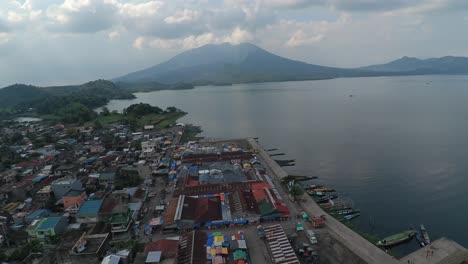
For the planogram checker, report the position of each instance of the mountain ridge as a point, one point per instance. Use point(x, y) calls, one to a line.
point(224, 64)
point(243, 63)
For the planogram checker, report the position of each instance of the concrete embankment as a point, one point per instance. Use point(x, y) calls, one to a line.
point(360, 246)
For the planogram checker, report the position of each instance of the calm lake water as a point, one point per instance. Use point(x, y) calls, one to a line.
point(397, 146)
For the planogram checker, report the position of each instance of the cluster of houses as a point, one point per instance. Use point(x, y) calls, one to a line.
point(79, 190)
point(88, 194)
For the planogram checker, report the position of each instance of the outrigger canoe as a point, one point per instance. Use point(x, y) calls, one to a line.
point(397, 238)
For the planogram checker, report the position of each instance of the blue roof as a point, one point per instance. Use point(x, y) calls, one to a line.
point(90, 207)
point(40, 177)
point(37, 213)
point(49, 223)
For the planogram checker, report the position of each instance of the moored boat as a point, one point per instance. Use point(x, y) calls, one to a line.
point(420, 238)
point(327, 198)
point(347, 212)
point(425, 235)
point(351, 216)
point(397, 238)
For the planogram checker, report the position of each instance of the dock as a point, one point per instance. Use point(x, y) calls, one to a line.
point(441, 251)
point(445, 251)
point(357, 244)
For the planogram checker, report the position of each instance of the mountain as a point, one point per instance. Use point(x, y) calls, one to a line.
point(25, 95)
point(411, 65)
point(20, 93)
point(244, 63)
point(226, 64)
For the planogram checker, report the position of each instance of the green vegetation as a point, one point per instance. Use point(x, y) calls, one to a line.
point(22, 252)
point(126, 178)
point(296, 191)
point(139, 115)
point(190, 133)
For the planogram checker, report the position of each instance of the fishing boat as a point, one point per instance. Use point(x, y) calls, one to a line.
point(323, 189)
point(425, 235)
point(327, 198)
point(420, 238)
point(397, 238)
point(351, 216)
point(346, 212)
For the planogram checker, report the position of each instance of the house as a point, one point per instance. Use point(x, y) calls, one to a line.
point(120, 219)
point(74, 197)
point(153, 257)
point(61, 186)
point(107, 179)
point(167, 247)
point(89, 212)
point(47, 169)
point(89, 248)
point(96, 148)
point(51, 226)
point(38, 214)
point(64, 170)
point(31, 229)
point(43, 195)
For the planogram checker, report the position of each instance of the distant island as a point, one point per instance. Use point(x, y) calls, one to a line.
point(221, 64)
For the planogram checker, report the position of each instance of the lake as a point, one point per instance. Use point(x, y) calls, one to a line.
point(396, 146)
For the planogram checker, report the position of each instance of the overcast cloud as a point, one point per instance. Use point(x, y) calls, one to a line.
point(51, 42)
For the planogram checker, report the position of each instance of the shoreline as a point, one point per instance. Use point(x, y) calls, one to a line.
point(353, 241)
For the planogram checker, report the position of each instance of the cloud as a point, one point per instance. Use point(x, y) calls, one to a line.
point(237, 36)
point(300, 38)
point(143, 9)
point(82, 16)
point(3, 26)
point(113, 35)
point(4, 37)
point(416, 6)
point(182, 16)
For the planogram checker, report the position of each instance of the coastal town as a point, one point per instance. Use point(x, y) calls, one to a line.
point(111, 193)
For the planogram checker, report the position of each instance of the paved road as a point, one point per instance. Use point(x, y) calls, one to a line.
point(360, 246)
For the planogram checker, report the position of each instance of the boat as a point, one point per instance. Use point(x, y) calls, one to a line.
point(346, 212)
point(351, 216)
point(397, 238)
point(425, 235)
point(322, 190)
point(327, 198)
point(420, 239)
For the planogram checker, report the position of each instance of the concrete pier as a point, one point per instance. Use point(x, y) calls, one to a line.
point(360, 246)
point(441, 251)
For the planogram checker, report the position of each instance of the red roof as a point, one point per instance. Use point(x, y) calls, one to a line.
point(282, 209)
point(167, 246)
point(259, 194)
point(260, 185)
point(25, 164)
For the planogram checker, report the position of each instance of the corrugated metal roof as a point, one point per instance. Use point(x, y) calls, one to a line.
point(49, 223)
point(90, 207)
point(153, 256)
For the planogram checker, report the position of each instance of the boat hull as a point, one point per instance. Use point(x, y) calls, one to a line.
point(397, 238)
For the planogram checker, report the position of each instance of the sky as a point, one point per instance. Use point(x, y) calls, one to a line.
point(57, 42)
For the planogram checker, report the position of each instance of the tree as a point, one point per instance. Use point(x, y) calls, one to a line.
point(97, 124)
point(142, 109)
point(21, 253)
point(16, 137)
point(105, 111)
point(296, 191)
point(172, 109)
